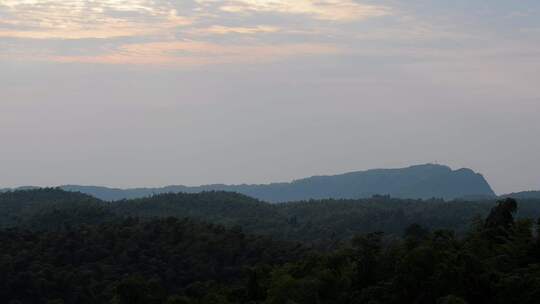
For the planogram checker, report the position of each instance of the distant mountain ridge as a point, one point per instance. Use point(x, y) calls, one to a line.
point(523, 195)
point(415, 182)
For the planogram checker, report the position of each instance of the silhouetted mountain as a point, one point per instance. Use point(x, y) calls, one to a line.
point(416, 182)
point(50, 208)
point(23, 188)
point(523, 195)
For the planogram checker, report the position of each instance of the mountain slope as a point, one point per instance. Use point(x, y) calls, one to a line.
point(307, 221)
point(143, 260)
point(523, 195)
point(50, 209)
point(416, 182)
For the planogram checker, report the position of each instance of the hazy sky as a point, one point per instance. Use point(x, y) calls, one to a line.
point(156, 92)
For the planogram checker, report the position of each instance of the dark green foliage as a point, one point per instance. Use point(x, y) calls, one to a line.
point(230, 209)
point(416, 233)
point(315, 221)
point(501, 216)
point(440, 268)
point(321, 222)
point(51, 209)
point(63, 247)
point(451, 299)
point(342, 219)
point(133, 262)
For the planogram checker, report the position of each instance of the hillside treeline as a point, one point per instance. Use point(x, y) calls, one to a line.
point(308, 221)
point(70, 248)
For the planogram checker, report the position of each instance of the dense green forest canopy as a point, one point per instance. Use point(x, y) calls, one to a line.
point(60, 247)
point(132, 261)
point(50, 208)
point(308, 221)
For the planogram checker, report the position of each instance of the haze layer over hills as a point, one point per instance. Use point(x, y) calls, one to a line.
point(416, 182)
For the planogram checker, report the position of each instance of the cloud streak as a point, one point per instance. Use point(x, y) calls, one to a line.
point(193, 53)
point(78, 19)
point(204, 32)
point(334, 10)
point(163, 32)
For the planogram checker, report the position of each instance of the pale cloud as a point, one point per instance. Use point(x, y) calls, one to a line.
point(195, 53)
point(334, 10)
point(175, 39)
point(82, 19)
point(535, 30)
point(99, 32)
point(222, 30)
point(78, 19)
point(177, 33)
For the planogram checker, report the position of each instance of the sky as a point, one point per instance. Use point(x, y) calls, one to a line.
point(130, 93)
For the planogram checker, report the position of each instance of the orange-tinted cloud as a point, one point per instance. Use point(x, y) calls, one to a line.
point(193, 53)
point(334, 10)
point(78, 19)
point(168, 32)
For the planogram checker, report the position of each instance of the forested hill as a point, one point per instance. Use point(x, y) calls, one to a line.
point(50, 209)
point(308, 221)
point(135, 262)
point(331, 251)
point(416, 182)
